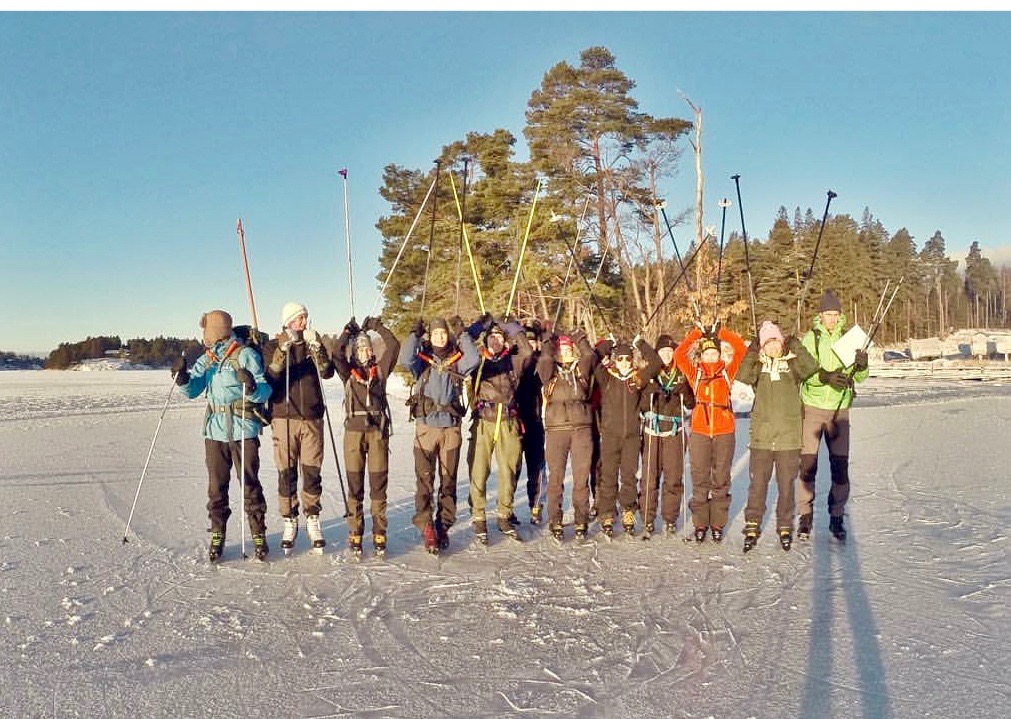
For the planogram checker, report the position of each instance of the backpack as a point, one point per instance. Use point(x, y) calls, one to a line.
point(255, 340)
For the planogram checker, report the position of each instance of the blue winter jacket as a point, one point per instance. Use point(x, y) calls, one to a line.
point(215, 374)
point(441, 388)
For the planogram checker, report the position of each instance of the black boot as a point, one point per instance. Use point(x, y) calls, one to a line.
point(835, 525)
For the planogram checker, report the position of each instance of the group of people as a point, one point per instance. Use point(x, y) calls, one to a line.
point(616, 420)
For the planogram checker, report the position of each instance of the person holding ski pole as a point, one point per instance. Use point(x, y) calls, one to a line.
point(776, 368)
point(495, 428)
point(230, 373)
point(662, 406)
point(439, 366)
point(827, 395)
point(712, 440)
point(529, 403)
point(621, 386)
point(565, 368)
point(366, 424)
point(298, 360)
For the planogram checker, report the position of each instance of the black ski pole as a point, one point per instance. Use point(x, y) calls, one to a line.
point(575, 259)
point(688, 280)
point(723, 204)
point(683, 274)
point(333, 442)
point(747, 256)
point(431, 238)
point(814, 256)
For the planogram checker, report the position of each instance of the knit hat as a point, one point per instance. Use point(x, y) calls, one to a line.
point(217, 325)
point(709, 343)
point(665, 341)
point(769, 331)
point(622, 349)
point(290, 311)
point(829, 302)
point(439, 323)
point(565, 340)
point(362, 339)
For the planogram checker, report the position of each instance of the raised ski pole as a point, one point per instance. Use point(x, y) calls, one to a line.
point(245, 264)
point(431, 239)
point(688, 280)
point(568, 269)
point(723, 204)
point(586, 283)
point(459, 249)
point(403, 246)
point(150, 452)
point(747, 256)
point(814, 256)
point(683, 274)
point(347, 240)
point(466, 244)
point(523, 247)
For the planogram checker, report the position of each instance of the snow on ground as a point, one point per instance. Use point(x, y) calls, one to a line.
point(908, 619)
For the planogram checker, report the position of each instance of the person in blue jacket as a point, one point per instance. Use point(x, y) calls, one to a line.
point(439, 365)
point(231, 375)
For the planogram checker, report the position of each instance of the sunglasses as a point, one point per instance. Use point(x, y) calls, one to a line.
point(623, 358)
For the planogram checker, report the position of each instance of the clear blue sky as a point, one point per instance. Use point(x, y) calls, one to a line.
point(131, 143)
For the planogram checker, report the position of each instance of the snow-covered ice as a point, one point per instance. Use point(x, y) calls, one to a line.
point(908, 619)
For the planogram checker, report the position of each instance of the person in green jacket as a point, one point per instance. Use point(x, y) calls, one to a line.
point(775, 367)
point(827, 396)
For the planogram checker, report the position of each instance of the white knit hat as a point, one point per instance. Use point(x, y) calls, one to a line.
point(290, 311)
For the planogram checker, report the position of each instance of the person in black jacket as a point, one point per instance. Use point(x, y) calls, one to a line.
point(568, 420)
point(298, 362)
point(529, 404)
point(666, 398)
point(621, 385)
point(366, 424)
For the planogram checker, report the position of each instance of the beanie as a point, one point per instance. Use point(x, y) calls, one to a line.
point(565, 341)
point(709, 343)
point(439, 323)
point(829, 302)
point(769, 331)
point(665, 341)
point(290, 311)
point(217, 325)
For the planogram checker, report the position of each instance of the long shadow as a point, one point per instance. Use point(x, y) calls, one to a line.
point(837, 574)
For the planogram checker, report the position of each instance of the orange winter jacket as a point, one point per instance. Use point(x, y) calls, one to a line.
point(713, 413)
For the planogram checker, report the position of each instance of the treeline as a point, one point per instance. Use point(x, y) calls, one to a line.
point(153, 353)
point(10, 360)
point(597, 251)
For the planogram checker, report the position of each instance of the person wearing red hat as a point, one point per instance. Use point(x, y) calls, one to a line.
point(712, 441)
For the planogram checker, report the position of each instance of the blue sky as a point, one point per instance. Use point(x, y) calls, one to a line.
point(131, 143)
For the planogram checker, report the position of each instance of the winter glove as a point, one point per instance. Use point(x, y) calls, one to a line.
point(479, 326)
point(578, 337)
point(604, 349)
point(371, 323)
point(835, 380)
point(182, 377)
point(312, 339)
point(352, 328)
point(246, 377)
point(538, 329)
point(636, 340)
point(860, 361)
point(418, 329)
point(512, 329)
point(715, 329)
point(754, 347)
point(283, 341)
point(456, 325)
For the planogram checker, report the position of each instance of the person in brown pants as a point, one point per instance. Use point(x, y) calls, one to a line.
point(366, 424)
point(568, 421)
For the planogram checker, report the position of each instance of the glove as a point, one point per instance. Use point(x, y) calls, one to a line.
point(753, 347)
point(636, 340)
point(456, 326)
point(836, 380)
point(512, 329)
point(312, 339)
point(371, 323)
point(352, 327)
point(578, 337)
point(715, 329)
point(418, 329)
point(604, 348)
point(179, 371)
point(860, 361)
point(793, 344)
point(283, 341)
point(478, 326)
point(538, 328)
point(246, 377)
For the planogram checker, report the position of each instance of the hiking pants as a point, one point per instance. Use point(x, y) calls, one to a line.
point(298, 441)
point(617, 454)
point(220, 457)
point(786, 463)
point(560, 445)
point(506, 448)
point(662, 457)
point(372, 449)
point(711, 459)
point(835, 428)
point(435, 446)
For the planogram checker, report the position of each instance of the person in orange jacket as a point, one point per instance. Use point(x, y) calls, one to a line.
point(711, 444)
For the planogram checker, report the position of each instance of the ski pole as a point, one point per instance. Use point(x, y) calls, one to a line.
point(431, 239)
point(684, 472)
point(466, 244)
point(242, 472)
point(723, 204)
point(814, 256)
point(347, 240)
point(459, 249)
point(683, 274)
point(688, 280)
point(575, 260)
point(523, 247)
point(568, 269)
point(403, 246)
point(747, 257)
point(150, 452)
point(333, 442)
point(245, 264)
